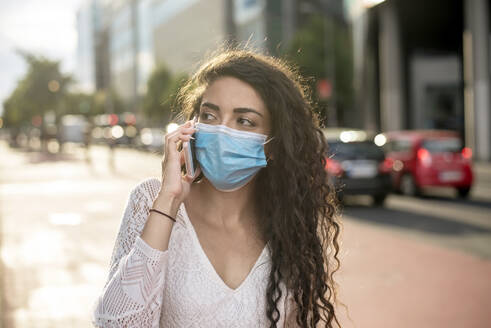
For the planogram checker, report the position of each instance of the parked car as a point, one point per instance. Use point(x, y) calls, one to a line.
point(115, 129)
point(152, 139)
point(427, 158)
point(74, 129)
point(356, 165)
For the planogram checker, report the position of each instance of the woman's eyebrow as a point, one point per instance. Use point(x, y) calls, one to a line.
point(211, 106)
point(236, 110)
point(246, 110)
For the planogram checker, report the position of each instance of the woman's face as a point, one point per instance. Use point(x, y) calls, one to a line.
point(231, 102)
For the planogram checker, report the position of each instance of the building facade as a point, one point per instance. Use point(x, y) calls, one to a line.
point(424, 65)
point(121, 42)
point(185, 30)
point(89, 23)
point(135, 36)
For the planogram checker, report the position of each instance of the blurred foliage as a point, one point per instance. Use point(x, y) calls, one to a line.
point(80, 103)
point(93, 104)
point(153, 101)
point(42, 89)
point(162, 88)
point(171, 96)
point(308, 50)
point(108, 102)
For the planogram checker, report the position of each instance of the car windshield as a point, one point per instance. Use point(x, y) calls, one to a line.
point(355, 150)
point(447, 145)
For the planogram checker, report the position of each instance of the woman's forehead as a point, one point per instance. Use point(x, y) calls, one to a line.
point(230, 92)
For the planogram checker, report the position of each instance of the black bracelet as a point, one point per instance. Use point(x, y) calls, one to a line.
point(167, 215)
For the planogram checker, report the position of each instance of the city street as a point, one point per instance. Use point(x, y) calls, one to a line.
point(413, 263)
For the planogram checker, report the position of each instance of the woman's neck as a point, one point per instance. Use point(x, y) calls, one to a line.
point(225, 209)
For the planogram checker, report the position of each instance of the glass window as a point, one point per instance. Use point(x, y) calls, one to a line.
point(447, 145)
point(399, 146)
point(355, 150)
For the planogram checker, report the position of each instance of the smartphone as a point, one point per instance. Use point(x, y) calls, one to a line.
point(189, 158)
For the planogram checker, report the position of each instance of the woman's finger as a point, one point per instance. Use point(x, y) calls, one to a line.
point(177, 140)
point(177, 131)
point(185, 137)
point(188, 131)
point(181, 157)
point(189, 179)
point(180, 131)
point(172, 139)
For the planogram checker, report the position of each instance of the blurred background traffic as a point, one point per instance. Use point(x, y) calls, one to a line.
point(375, 65)
point(88, 90)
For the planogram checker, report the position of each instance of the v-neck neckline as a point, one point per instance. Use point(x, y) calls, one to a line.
point(206, 259)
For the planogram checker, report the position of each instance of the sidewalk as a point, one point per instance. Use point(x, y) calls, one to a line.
point(390, 281)
point(482, 171)
point(56, 260)
point(60, 217)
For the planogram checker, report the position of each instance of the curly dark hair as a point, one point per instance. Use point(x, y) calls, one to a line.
point(296, 205)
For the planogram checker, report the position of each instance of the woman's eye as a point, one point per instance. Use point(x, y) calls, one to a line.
point(245, 121)
point(207, 116)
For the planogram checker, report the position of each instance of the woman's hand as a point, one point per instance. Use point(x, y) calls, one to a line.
point(175, 186)
point(174, 189)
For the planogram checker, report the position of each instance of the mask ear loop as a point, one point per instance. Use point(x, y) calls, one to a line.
point(269, 158)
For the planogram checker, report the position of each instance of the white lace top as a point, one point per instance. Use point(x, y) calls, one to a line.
point(177, 287)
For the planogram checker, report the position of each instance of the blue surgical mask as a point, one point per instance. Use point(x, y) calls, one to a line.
point(229, 158)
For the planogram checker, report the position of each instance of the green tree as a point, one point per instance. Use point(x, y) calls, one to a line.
point(91, 104)
point(104, 102)
point(171, 95)
point(155, 106)
point(79, 103)
point(323, 57)
point(42, 89)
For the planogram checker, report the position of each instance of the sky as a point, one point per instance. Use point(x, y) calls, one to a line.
point(42, 27)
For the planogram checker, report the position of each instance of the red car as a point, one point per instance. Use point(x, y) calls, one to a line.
point(428, 158)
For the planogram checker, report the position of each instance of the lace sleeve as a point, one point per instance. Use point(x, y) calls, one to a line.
point(132, 294)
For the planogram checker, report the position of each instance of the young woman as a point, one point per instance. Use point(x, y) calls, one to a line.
point(251, 241)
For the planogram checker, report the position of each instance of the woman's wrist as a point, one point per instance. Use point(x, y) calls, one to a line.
point(158, 226)
point(167, 203)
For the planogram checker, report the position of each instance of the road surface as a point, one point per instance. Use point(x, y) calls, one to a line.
point(414, 263)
